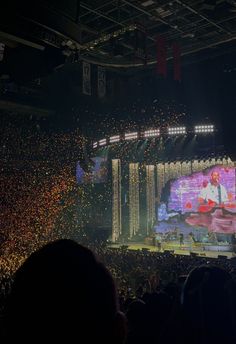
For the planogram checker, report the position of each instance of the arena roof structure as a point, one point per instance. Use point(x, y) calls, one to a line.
point(109, 32)
point(197, 25)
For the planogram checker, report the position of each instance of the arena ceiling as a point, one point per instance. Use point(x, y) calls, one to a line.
point(198, 26)
point(105, 31)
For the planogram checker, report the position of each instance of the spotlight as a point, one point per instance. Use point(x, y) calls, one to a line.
point(199, 129)
point(131, 136)
point(95, 144)
point(102, 142)
point(176, 130)
point(115, 138)
point(152, 133)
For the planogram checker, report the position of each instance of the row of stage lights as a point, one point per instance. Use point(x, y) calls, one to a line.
point(198, 129)
point(204, 129)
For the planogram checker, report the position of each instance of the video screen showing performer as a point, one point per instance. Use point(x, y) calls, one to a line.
point(203, 191)
point(213, 193)
point(95, 173)
point(206, 199)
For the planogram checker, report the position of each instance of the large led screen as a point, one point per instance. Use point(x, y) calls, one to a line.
point(96, 171)
point(203, 191)
point(203, 200)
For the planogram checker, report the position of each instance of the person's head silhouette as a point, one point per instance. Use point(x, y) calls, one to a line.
point(63, 292)
point(209, 305)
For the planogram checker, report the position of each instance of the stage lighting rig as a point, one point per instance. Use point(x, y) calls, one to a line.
point(203, 129)
point(114, 139)
point(176, 130)
point(102, 142)
point(151, 133)
point(131, 136)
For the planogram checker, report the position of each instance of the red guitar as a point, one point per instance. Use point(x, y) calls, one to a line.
point(210, 205)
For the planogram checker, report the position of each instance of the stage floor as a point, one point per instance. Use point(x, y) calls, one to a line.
point(175, 248)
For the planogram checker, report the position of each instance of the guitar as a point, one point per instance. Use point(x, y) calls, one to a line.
point(210, 205)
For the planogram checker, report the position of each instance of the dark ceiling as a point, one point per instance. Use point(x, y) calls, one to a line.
point(196, 25)
point(111, 32)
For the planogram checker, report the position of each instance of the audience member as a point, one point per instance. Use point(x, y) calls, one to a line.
point(61, 292)
point(209, 306)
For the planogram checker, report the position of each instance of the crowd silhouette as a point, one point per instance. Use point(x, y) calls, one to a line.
point(64, 291)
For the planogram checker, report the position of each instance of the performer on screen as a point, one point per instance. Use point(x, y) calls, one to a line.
point(181, 239)
point(213, 193)
point(163, 214)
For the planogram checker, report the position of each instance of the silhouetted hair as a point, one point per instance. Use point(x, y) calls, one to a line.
point(61, 292)
point(209, 305)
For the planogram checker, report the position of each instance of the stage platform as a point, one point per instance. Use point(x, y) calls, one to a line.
point(201, 250)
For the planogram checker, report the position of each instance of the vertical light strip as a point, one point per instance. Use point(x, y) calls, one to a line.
point(150, 197)
point(206, 164)
point(171, 170)
point(166, 172)
point(116, 199)
point(160, 180)
point(134, 220)
point(177, 169)
point(195, 166)
point(230, 162)
point(186, 168)
point(213, 162)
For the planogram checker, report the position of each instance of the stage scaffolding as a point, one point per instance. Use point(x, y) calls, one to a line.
point(150, 197)
point(116, 199)
point(134, 216)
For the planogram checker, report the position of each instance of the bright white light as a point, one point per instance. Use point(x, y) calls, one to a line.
point(115, 138)
point(95, 144)
point(204, 129)
point(102, 142)
point(152, 133)
point(176, 130)
point(131, 136)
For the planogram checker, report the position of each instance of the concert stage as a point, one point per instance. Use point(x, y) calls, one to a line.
point(151, 191)
point(174, 247)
